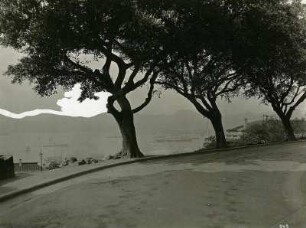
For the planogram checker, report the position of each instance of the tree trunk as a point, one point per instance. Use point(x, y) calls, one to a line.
point(125, 120)
point(216, 120)
point(288, 128)
point(285, 118)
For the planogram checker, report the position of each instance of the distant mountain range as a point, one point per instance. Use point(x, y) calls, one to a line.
point(184, 120)
point(61, 136)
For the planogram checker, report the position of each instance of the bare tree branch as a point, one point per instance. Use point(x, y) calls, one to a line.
point(299, 101)
point(150, 94)
point(87, 72)
point(120, 77)
point(133, 74)
point(111, 108)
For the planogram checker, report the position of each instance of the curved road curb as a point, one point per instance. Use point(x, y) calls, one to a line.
point(19, 192)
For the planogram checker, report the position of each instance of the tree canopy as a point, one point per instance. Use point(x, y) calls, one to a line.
point(270, 52)
point(55, 35)
point(199, 57)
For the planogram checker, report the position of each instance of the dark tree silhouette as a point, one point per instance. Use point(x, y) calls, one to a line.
point(201, 81)
point(198, 65)
point(55, 36)
point(270, 52)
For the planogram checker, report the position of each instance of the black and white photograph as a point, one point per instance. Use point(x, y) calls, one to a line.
point(152, 113)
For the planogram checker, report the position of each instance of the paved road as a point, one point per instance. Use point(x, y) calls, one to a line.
point(258, 187)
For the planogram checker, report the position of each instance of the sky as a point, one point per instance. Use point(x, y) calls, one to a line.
point(19, 101)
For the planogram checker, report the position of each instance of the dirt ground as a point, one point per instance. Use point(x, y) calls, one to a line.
point(259, 187)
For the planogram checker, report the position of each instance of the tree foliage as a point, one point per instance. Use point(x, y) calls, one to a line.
point(269, 51)
point(198, 64)
point(263, 132)
point(55, 36)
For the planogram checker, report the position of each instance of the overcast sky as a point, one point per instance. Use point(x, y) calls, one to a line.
point(15, 98)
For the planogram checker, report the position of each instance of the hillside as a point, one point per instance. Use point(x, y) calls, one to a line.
point(99, 136)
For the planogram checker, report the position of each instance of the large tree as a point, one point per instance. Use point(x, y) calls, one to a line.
point(202, 80)
point(198, 64)
point(55, 36)
point(269, 50)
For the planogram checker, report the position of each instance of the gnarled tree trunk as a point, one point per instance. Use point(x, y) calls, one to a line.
point(125, 120)
point(212, 113)
point(285, 118)
point(288, 128)
point(216, 120)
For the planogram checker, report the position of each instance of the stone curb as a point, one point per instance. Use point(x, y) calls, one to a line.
point(19, 192)
point(16, 193)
